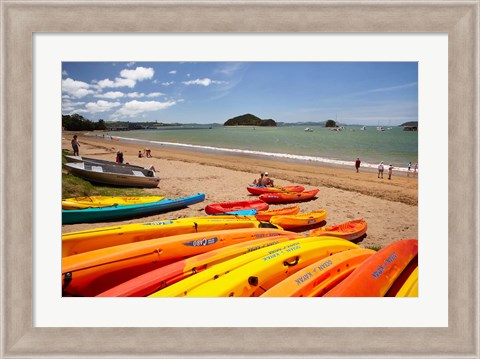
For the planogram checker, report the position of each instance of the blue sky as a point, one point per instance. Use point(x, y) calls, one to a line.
point(369, 93)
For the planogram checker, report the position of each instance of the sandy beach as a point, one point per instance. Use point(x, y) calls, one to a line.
point(390, 207)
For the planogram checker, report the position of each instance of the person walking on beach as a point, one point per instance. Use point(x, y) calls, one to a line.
point(380, 170)
point(390, 170)
point(357, 164)
point(75, 145)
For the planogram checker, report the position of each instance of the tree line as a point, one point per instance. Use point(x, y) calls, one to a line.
point(77, 122)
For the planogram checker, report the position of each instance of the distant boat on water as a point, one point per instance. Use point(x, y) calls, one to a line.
point(308, 129)
point(380, 128)
point(363, 128)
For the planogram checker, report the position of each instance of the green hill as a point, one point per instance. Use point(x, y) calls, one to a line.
point(249, 120)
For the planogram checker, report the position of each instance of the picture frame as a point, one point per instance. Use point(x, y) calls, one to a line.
point(21, 20)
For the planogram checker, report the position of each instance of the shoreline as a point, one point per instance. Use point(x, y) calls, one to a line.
point(272, 156)
point(389, 206)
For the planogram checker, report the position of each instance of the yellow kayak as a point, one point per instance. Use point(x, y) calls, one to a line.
point(105, 201)
point(305, 249)
point(97, 238)
point(410, 287)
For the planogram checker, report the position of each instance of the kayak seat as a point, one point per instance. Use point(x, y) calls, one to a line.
point(97, 169)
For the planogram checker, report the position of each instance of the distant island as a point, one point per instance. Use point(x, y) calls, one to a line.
point(411, 123)
point(249, 120)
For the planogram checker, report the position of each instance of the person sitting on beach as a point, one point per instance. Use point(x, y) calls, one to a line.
point(147, 153)
point(380, 170)
point(140, 155)
point(266, 181)
point(259, 181)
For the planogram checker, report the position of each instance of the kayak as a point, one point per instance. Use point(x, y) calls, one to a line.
point(226, 207)
point(93, 272)
point(350, 231)
point(100, 214)
point(318, 278)
point(283, 254)
point(269, 213)
point(286, 197)
point(105, 201)
point(406, 285)
point(157, 279)
point(256, 277)
point(97, 238)
point(258, 190)
point(299, 220)
point(375, 276)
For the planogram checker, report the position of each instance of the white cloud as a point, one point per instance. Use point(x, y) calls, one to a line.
point(139, 74)
point(136, 95)
point(69, 106)
point(119, 82)
point(203, 82)
point(173, 72)
point(64, 73)
point(76, 89)
point(229, 69)
point(168, 83)
point(155, 94)
point(130, 64)
point(100, 106)
point(111, 95)
point(137, 108)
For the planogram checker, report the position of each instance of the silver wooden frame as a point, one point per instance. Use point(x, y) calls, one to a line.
point(20, 20)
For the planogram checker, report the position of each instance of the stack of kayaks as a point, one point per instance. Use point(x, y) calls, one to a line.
point(116, 212)
point(229, 255)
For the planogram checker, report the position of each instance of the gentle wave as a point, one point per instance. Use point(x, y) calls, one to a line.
point(284, 156)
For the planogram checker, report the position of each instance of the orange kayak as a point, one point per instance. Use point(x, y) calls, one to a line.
point(299, 220)
point(258, 190)
point(103, 237)
point(90, 273)
point(319, 277)
point(266, 215)
point(286, 197)
point(163, 277)
point(349, 230)
point(375, 276)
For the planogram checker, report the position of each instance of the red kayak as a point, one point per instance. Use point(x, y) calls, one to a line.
point(226, 207)
point(286, 197)
point(258, 190)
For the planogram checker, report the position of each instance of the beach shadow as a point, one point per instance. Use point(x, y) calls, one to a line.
point(359, 239)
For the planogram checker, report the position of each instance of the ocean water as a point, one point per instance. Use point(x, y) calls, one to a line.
point(292, 143)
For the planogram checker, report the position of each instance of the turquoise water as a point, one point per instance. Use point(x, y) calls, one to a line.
point(291, 143)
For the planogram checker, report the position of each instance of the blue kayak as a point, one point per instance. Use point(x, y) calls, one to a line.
point(100, 214)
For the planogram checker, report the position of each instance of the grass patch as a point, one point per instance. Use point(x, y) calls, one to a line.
point(375, 248)
point(73, 186)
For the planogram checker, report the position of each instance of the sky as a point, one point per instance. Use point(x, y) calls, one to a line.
point(367, 93)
